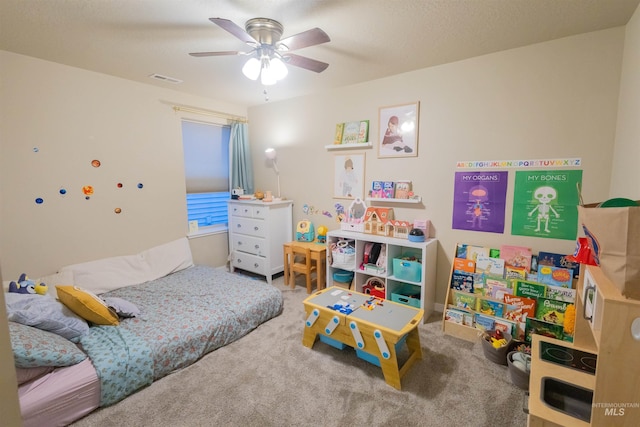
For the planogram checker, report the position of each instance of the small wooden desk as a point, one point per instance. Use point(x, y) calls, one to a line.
point(382, 326)
point(318, 254)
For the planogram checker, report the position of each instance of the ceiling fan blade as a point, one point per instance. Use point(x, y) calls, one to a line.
point(307, 38)
point(304, 62)
point(222, 53)
point(234, 29)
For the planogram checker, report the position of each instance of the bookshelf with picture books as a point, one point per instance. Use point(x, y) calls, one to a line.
point(511, 289)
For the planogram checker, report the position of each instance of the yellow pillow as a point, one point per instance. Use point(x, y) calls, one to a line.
point(86, 305)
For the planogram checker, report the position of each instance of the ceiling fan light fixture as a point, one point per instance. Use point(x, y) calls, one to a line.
point(252, 68)
point(278, 68)
point(267, 76)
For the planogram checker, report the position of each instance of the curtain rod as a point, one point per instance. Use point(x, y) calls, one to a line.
point(201, 111)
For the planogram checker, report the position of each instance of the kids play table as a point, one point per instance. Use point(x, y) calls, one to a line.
point(368, 324)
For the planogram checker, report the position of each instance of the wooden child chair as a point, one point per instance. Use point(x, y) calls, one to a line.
point(301, 264)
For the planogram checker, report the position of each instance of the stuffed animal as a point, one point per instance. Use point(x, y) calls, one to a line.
point(26, 286)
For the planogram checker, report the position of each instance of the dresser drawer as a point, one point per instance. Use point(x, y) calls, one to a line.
point(239, 210)
point(260, 212)
point(249, 262)
point(248, 244)
point(248, 226)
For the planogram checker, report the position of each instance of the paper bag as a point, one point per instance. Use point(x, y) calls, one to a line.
point(614, 236)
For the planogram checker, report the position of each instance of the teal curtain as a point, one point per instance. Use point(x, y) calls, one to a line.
point(241, 165)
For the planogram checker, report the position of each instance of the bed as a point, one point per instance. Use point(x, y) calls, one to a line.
point(184, 312)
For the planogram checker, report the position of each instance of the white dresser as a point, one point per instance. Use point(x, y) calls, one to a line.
point(257, 232)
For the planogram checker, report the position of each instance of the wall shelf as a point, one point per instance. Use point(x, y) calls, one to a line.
point(348, 146)
point(418, 199)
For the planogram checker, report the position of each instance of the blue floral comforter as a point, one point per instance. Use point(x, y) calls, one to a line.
point(183, 316)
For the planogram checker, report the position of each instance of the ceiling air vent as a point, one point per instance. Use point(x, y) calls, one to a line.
point(166, 79)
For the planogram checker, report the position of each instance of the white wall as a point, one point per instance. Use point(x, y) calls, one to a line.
point(72, 116)
point(625, 175)
point(551, 100)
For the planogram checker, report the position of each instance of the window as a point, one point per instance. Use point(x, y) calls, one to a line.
point(206, 165)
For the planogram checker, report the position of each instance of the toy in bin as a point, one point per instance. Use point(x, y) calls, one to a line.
point(305, 231)
point(374, 287)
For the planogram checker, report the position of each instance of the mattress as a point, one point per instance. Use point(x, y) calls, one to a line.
point(60, 397)
point(184, 316)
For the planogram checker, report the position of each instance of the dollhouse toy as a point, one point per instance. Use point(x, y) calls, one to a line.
point(375, 220)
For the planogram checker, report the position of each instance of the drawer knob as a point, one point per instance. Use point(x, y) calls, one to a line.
point(255, 265)
point(257, 246)
point(256, 228)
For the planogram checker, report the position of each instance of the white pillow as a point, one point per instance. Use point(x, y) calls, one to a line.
point(168, 258)
point(107, 274)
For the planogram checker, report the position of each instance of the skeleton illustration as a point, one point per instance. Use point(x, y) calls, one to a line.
point(544, 195)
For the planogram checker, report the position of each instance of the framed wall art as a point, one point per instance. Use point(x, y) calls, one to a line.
point(348, 176)
point(398, 130)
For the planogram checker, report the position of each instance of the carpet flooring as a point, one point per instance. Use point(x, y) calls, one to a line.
point(268, 378)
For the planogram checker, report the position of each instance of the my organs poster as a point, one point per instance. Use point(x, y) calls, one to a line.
point(479, 201)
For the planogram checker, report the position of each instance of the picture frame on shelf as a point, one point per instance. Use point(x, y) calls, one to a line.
point(348, 176)
point(398, 130)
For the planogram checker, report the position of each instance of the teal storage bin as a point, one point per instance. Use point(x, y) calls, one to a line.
point(410, 271)
point(374, 359)
point(406, 298)
point(333, 343)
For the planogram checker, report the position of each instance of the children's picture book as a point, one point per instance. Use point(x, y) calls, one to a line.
point(515, 272)
point(551, 310)
point(505, 325)
point(552, 259)
point(461, 250)
point(497, 292)
point(559, 293)
point(519, 307)
point(494, 253)
point(555, 276)
point(497, 281)
point(363, 135)
point(339, 131)
point(388, 189)
point(484, 322)
point(524, 288)
point(464, 300)
point(376, 189)
point(478, 283)
point(490, 307)
point(519, 331)
point(488, 265)
point(463, 264)
point(455, 316)
point(516, 256)
point(536, 326)
point(462, 281)
point(350, 132)
point(534, 264)
point(474, 251)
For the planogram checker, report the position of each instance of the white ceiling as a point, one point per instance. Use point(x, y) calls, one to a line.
point(370, 39)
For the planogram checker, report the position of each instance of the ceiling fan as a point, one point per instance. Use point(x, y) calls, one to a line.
point(270, 53)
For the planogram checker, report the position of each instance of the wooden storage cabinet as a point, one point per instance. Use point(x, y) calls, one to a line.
point(425, 251)
point(257, 232)
point(610, 335)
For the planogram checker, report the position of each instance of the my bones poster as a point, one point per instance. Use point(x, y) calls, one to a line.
point(479, 201)
point(545, 204)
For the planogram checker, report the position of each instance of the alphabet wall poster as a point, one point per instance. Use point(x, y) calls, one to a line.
point(479, 201)
point(545, 204)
